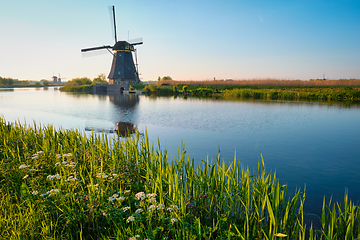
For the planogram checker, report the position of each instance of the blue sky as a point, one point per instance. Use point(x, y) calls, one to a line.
point(188, 40)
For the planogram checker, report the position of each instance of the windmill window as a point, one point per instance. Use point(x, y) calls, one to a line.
point(119, 72)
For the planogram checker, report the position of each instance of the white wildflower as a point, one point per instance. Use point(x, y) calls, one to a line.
point(111, 199)
point(101, 175)
point(52, 177)
point(126, 191)
point(152, 200)
point(39, 152)
point(71, 178)
point(35, 193)
point(23, 166)
point(134, 237)
point(68, 155)
point(58, 156)
point(32, 169)
point(174, 220)
point(64, 162)
point(115, 195)
point(161, 206)
point(172, 208)
point(120, 198)
point(140, 210)
point(53, 192)
point(130, 219)
point(35, 156)
point(151, 195)
point(44, 194)
point(25, 176)
point(125, 209)
point(140, 195)
point(115, 175)
point(57, 163)
point(151, 208)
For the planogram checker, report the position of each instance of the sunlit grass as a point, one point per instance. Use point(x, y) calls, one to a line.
point(61, 184)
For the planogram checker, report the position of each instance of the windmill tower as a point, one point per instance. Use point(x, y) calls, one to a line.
point(123, 70)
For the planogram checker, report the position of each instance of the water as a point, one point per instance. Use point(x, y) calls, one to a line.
point(306, 143)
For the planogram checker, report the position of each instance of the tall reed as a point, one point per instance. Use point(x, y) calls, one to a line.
point(57, 183)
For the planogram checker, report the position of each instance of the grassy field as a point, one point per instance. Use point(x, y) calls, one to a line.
point(60, 184)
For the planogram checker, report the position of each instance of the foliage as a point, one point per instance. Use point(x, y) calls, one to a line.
point(45, 83)
point(6, 81)
point(139, 86)
point(37, 84)
point(60, 184)
point(79, 81)
point(101, 78)
point(166, 78)
point(81, 88)
point(184, 88)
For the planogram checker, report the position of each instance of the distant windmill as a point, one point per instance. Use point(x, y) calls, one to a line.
point(123, 70)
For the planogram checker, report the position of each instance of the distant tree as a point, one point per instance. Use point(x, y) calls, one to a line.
point(37, 84)
point(79, 81)
point(159, 78)
point(100, 78)
point(166, 78)
point(45, 83)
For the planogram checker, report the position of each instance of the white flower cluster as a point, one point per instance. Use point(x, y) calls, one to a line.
point(71, 178)
point(35, 193)
point(139, 210)
point(35, 156)
point(52, 177)
point(140, 196)
point(23, 166)
point(25, 176)
point(125, 209)
point(95, 186)
point(161, 207)
point(51, 192)
point(67, 155)
point(130, 219)
point(101, 175)
point(134, 237)
point(151, 208)
point(173, 220)
point(172, 208)
point(116, 197)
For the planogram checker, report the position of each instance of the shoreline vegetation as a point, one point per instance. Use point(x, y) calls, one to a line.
point(314, 89)
point(15, 83)
point(57, 183)
point(339, 90)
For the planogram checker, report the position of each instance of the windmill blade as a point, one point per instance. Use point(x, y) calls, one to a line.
point(136, 41)
point(94, 53)
point(95, 48)
point(112, 21)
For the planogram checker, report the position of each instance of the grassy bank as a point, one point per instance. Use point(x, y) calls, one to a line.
point(274, 92)
point(57, 184)
point(81, 88)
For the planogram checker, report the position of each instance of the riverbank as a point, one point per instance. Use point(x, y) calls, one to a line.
point(339, 90)
point(56, 182)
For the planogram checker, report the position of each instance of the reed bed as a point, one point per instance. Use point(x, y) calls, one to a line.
point(61, 184)
point(268, 82)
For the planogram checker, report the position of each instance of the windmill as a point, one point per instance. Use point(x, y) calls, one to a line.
point(123, 70)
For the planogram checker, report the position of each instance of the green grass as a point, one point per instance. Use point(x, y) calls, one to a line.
point(338, 93)
point(61, 184)
point(81, 88)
